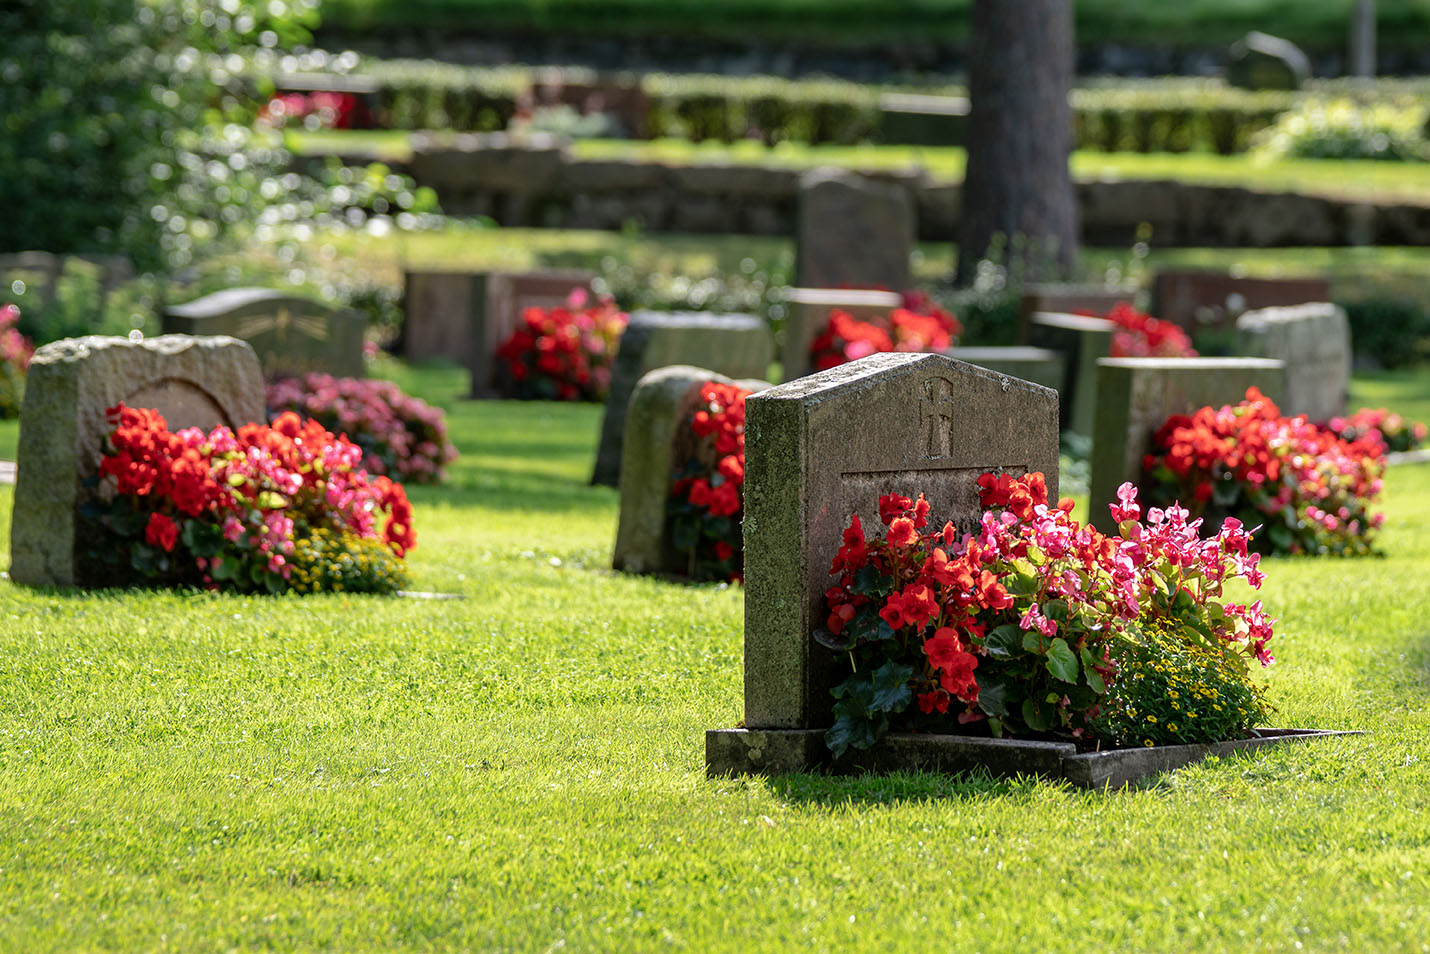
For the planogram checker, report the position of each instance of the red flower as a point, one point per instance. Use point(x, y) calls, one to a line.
point(943, 648)
point(902, 532)
point(161, 532)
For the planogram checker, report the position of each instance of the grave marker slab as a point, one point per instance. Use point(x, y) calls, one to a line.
point(738, 346)
point(466, 316)
point(1065, 299)
point(192, 381)
point(1135, 396)
point(826, 446)
point(852, 232)
point(1314, 340)
point(1199, 300)
point(807, 314)
point(1082, 341)
point(291, 335)
point(655, 441)
point(1038, 365)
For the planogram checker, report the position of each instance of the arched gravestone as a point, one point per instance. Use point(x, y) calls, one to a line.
point(828, 445)
point(290, 335)
point(193, 382)
point(853, 232)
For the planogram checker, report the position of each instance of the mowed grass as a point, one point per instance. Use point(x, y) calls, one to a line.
point(522, 769)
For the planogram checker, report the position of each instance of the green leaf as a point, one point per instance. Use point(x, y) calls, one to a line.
point(891, 688)
point(1036, 717)
point(1003, 641)
point(1094, 680)
point(844, 641)
point(685, 533)
point(995, 726)
point(1056, 610)
point(1022, 584)
point(1062, 661)
point(993, 697)
point(1033, 641)
point(868, 581)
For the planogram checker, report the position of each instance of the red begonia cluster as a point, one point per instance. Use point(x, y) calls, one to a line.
point(321, 109)
point(562, 354)
point(1015, 623)
point(1310, 488)
point(1393, 432)
point(707, 504)
point(15, 352)
point(921, 325)
point(1139, 335)
point(236, 502)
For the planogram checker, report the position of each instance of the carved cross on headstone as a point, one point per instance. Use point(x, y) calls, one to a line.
point(936, 412)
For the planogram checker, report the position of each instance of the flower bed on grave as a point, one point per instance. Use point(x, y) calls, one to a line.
point(401, 436)
point(921, 325)
point(1036, 627)
point(562, 354)
point(15, 352)
point(1311, 489)
point(1390, 430)
point(706, 505)
point(281, 508)
point(1139, 335)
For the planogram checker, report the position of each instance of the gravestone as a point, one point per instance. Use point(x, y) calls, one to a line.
point(291, 335)
point(852, 232)
point(1261, 61)
point(466, 316)
point(1038, 365)
point(656, 440)
point(826, 446)
point(1066, 299)
point(193, 381)
point(1314, 341)
point(1200, 300)
point(1135, 396)
point(1082, 341)
point(737, 346)
point(807, 314)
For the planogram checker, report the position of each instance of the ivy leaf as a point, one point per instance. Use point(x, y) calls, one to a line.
point(1003, 642)
point(853, 727)
point(1062, 661)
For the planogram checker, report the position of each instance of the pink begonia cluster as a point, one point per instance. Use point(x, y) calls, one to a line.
point(400, 435)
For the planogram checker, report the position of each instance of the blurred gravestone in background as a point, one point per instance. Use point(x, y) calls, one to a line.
point(853, 232)
point(1261, 61)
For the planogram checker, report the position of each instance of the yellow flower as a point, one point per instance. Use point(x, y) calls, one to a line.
point(1152, 718)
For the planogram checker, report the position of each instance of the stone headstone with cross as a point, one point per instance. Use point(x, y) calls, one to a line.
point(193, 381)
point(827, 446)
point(291, 335)
point(466, 316)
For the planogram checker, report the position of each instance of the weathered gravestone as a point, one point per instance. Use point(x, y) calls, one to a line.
point(1038, 365)
point(290, 335)
point(824, 447)
point(807, 315)
point(1135, 396)
point(1065, 299)
point(1314, 340)
point(1199, 300)
point(738, 346)
point(656, 441)
point(466, 316)
point(1261, 61)
point(1082, 341)
point(193, 382)
point(852, 232)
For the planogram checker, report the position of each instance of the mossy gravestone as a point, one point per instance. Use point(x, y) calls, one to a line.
point(290, 335)
point(807, 315)
point(853, 232)
point(1314, 340)
point(824, 447)
point(193, 382)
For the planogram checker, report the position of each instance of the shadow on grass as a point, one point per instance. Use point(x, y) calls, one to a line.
point(829, 791)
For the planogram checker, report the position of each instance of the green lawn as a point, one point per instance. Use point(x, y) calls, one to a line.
point(1361, 179)
point(521, 769)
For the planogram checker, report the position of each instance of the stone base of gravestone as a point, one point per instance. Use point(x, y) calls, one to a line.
point(853, 232)
point(1082, 341)
point(784, 751)
point(1135, 396)
point(737, 346)
point(827, 446)
point(1314, 340)
point(807, 315)
point(1200, 300)
point(656, 440)
point(1064, 299)
point(194, 382)
point(291, 335)
point(1038, 365)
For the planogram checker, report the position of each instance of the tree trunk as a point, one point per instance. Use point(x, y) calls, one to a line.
point(1019, 207)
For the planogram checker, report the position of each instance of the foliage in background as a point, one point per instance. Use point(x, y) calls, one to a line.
point(1311, 490)
point(562, 354)
point(241, 510)
point(1013, 627)
point(15, 352)
point(706, 505)
point(1344, 129)
point(1392, 332)
point(401, 436)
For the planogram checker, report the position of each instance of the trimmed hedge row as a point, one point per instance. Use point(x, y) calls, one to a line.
point(1167, 117)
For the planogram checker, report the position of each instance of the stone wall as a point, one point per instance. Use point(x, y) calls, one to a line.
point(545, 186)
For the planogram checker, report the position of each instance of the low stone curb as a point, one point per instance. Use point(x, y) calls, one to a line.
point(1420, 456)
point(780, 751)
point(7, 471)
